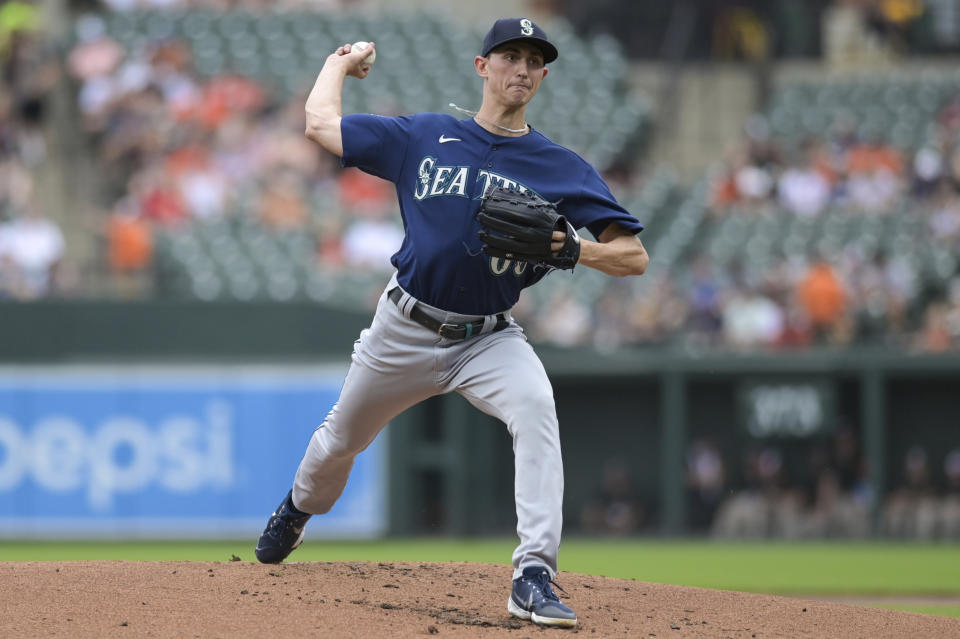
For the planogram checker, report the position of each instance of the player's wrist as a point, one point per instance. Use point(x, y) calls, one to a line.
point(336, 62)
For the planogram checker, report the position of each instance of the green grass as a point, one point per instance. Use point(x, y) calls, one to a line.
point(813, 569)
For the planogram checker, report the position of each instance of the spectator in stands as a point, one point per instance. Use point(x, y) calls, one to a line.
point(875, 171)
point(228, 94)
point(609, 317)
point(796, 332)
point(762, 148)
point(129, 248)
point(874, 191)
point(846, 460)
point(577, 320)
point(616, 509)
point(31, 249)
point(752, 318)
point(16, 185)
point(881, 291)
point(929, 169)
point(132, 138)
point(705, 291)
point(823, 298)
point(741, 33)
point(834, 512)
point(129, 238)
point(950, 506)
point(748, 177)
point(934, 336)
point(753, 182)
point(944, 222)
point(363, 192)
point(953, 309)
point(29, 70)
point(204, 190)
point(92, 61)
point(750, 513)
point(329, 236)
point(851, 37)
point(285, 146)
point(893, 20)
point(940, 329)
point(910, 511)
point(160, 200)
point(12, 285)
point(723, 190)
point(659, 314)
point(8, 133)
point(802, 188)
point(371, 238)
point(283, 200)
point(706, 482)
point(828, 158)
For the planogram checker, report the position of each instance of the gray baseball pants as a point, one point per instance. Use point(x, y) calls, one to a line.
point(397, 363)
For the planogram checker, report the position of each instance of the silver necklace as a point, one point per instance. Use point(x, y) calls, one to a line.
point(504, 128)
point(477, 117)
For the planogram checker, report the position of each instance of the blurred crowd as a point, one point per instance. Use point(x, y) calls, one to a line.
point(853, 290)
point(830, 496)
point(791, 492)
point(926, 503)
point(857, 32)
point(173, 148)
point(805, 490)
point(178, 148)
point(864, 289)
point(31, 244)
point(840, 31)
point(146, 5)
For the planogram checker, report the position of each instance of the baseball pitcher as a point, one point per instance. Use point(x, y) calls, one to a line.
point(490, 206)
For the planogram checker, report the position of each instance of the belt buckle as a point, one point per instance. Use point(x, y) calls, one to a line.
point(450, 331)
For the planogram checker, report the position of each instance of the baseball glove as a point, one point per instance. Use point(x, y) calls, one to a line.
point(520, 226)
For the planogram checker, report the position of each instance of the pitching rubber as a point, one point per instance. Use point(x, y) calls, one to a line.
point(519, 612)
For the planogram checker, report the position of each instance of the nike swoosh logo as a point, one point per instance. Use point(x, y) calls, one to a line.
point(444, 139)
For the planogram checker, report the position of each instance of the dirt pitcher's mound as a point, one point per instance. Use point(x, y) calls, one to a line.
point(231, 599)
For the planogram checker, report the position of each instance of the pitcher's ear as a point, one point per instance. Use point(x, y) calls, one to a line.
point(480, 64)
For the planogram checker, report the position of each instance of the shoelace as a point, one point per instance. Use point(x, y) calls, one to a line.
point(282, 523)
point(544, 581)
point(277, 528)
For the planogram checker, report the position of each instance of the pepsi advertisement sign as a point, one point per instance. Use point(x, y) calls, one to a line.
point(163, 452)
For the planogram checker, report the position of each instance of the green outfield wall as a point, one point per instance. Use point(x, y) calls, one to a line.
point(645, 407)
point(451, 467)
point(57, 330)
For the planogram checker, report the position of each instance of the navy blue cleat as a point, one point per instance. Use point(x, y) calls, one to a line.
point(533, 598)
point(284, 532)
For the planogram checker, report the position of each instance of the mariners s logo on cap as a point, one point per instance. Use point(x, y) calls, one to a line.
point(512, 29)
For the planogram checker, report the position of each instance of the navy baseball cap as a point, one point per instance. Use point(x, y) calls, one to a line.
point(510, 29)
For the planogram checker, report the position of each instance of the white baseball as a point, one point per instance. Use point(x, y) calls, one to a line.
point(361, 46)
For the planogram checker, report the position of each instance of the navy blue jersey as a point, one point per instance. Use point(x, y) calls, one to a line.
point(441, 167)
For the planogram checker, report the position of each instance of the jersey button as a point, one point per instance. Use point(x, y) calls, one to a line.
point(495, 147)
point(489, 164)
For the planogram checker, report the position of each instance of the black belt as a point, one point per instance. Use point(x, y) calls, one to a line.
point(443, 329)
